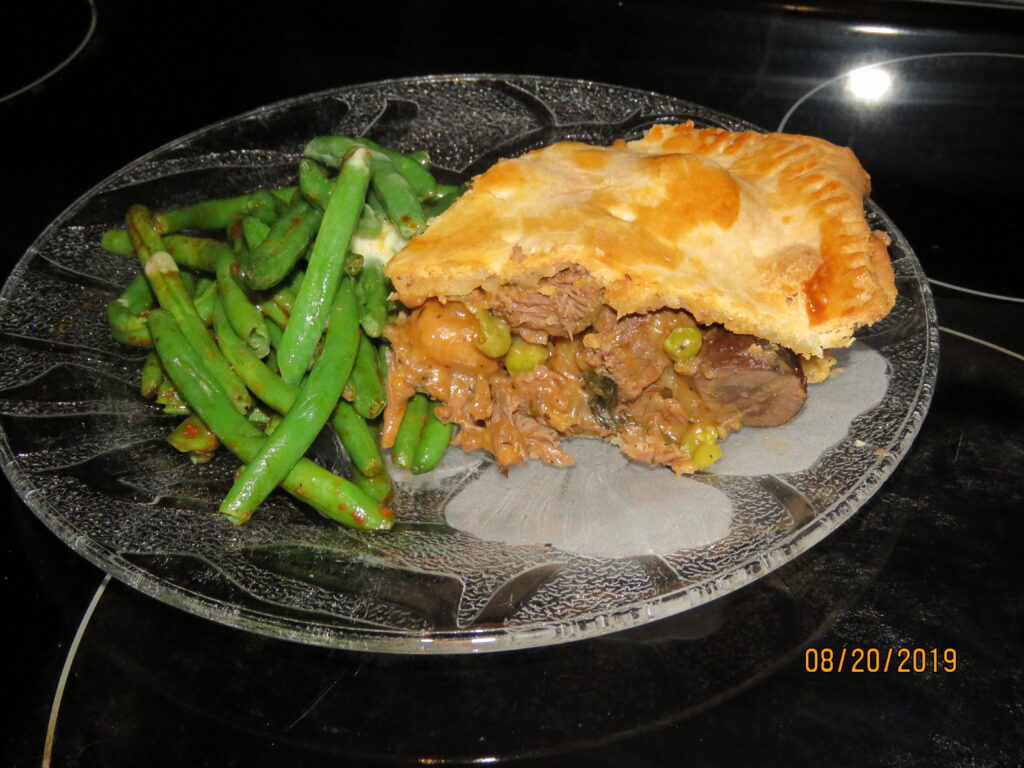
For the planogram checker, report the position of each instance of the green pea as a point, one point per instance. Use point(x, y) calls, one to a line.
point(706, 455)
point(493, 337)
point(523, 357)
point(699, 434)
point(683, 343)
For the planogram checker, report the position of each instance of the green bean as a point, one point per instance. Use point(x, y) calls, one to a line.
point(263, 207)
point(210, 214)
point(271, 362)
point(398, 196)
point(353, 264)
point(256, 375)
point(433, 442)
point(276, 334)
point(142, 233)
point(165, 280)
point(332, 496)
point(258, 418)
point(280, 395)
point(317, 398)
point(324, 267)
point(295, 281)
point(370, 223)
point(441, 191)
point(126, 314)
point(285, 194)
point(331, 150)
point(277, 317)
point(188, 281)
point(370, 396)
point(348, 394)
point(313, 182)
point(254, 231)
point(152, 375)
point(244, 316)
point(439, 205)
point(375, 204)
point(284, 297)
point(382, 360)
point(137, 297)
point(200, 286)
point(130, 330)
point(268, 264)
point(420, 157)
point(170, 398)
point(200, 253)
point(358, 439)
point(117, 241)
point(193, 436)
point(378, 486)
point(206, 295)
point(372, 292)
point(237, 238)
point(274, 423)
point(403, 452)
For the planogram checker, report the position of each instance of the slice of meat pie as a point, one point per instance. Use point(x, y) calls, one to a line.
point(658, 293)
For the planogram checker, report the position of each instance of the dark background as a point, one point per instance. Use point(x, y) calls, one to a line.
point(933, 561)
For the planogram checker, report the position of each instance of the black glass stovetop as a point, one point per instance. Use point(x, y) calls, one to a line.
point(100, 675)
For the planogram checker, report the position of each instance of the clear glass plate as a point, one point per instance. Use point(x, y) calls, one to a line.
point(87, 453)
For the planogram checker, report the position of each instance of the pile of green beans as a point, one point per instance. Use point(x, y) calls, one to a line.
point(264, 316)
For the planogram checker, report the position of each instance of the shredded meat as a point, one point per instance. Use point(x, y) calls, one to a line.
point(650, 447)
point(605, 376)
point(515, 418)
point(564, 304)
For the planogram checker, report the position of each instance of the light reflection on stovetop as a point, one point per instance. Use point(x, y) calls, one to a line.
point(938, 153)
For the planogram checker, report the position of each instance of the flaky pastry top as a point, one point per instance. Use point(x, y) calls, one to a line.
point(763, 233)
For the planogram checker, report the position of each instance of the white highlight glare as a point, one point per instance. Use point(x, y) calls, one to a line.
point(872, 29)
point(869, 83)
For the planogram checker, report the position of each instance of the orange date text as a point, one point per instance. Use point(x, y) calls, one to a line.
point(861, 660)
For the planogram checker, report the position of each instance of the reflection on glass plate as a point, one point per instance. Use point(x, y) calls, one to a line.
point(478, 561)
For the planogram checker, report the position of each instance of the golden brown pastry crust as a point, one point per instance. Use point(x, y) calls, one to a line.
point(763, 233)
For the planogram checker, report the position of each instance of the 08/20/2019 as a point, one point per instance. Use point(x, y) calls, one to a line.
point(880, 660)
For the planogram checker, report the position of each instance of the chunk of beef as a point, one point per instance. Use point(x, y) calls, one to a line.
point(761, 381)
point(629, 350)
point(564, 304)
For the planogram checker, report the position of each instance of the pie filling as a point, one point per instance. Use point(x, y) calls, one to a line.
point(593, 374)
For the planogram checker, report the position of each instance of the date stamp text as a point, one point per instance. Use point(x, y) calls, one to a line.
point(861, 660)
